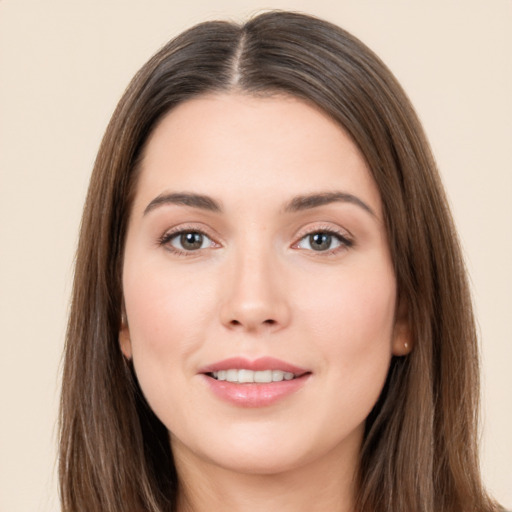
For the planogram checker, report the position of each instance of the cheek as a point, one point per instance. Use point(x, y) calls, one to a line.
point(358, 305)
point(164, 305)
point(167, 315)
point(352, 319)
point(353, 333)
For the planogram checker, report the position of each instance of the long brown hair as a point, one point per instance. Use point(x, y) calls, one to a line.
point(419, 452)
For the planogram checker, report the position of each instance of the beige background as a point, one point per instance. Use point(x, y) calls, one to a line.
point(64, 65)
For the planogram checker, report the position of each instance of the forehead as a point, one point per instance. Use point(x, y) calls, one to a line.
point(252, 147)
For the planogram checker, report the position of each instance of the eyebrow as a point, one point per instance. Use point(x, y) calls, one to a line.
point(299, 203)
point(185, 199)
point(306, 202)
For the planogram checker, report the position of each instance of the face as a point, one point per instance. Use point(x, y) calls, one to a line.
point(259, 291)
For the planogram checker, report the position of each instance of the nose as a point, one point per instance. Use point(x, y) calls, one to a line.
point(254, 297)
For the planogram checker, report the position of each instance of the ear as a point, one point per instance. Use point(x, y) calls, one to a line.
point(125, 342)
point(402, 333)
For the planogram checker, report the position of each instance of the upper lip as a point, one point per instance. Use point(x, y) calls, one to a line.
point(260, 364)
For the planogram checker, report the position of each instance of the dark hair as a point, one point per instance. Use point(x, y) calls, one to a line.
point(419, 451)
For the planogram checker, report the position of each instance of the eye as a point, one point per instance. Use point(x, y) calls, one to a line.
point(186, 241)
point(323, 241)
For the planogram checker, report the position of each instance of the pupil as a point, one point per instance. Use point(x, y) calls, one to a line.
point(191, 241)
point(320, 241)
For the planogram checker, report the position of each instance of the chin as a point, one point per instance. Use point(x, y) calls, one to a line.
point(269, 451)
point(253, 462)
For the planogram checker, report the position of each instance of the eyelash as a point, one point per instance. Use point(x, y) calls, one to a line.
point(166, 239)
point(345, 242)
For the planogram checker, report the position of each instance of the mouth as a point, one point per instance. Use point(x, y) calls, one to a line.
point(254, 383)
point(246, 376)
point(263, 370)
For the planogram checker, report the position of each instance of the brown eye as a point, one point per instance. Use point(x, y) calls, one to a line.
point(323, 241)
point(188, 241)
point(320, 241)
point(191, 241)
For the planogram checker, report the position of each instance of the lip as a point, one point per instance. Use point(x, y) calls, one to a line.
point(260, 364)
point(252, 395)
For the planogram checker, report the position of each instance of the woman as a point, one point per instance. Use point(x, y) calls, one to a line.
point(270, 307)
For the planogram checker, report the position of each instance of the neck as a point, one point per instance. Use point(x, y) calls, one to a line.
point(316, 487)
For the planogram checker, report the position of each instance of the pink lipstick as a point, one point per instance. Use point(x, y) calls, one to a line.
point(256, 383)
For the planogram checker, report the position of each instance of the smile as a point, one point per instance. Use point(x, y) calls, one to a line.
point(251, 376)
point(250, 383)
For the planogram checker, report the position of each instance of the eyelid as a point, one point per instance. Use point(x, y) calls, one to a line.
point(345, 237)
point(169, 234)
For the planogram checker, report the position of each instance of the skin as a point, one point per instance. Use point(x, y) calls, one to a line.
point(255, 288)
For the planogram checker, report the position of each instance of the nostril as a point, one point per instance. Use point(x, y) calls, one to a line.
point(238, 323)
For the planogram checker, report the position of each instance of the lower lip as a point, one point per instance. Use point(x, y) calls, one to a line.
point(255, 395)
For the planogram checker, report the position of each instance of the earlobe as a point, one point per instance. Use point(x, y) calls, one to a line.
point(401, 348)
point(402, 334)
point(124, 337)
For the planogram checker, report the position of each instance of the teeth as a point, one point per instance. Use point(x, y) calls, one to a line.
point(244, 376)
point(263, 376)
point(277, 375)
point(232, 375)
